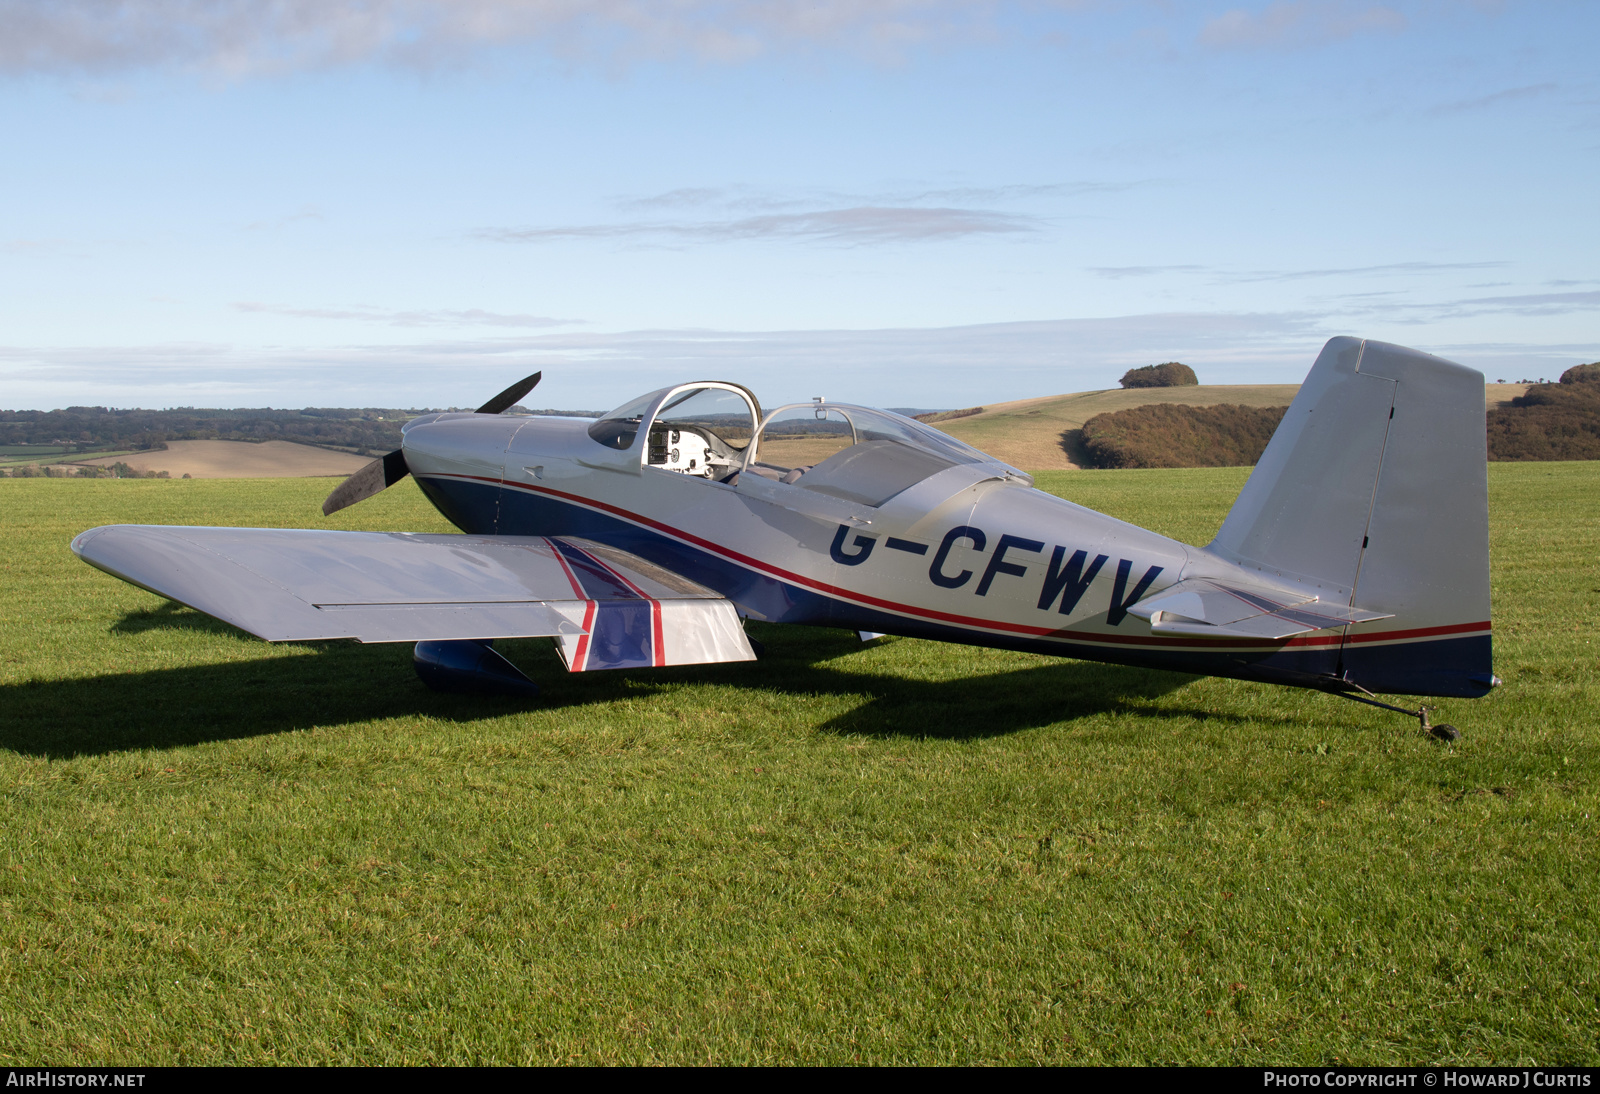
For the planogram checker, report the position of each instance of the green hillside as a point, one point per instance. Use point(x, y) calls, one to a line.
point(1044, 434)
point(1168, 435)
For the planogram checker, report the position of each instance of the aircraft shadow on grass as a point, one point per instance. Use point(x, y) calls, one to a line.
point(170, 616)
point(340, 683)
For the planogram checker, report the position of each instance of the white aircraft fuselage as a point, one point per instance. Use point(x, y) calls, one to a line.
point(972, 554)
point(1355, 559)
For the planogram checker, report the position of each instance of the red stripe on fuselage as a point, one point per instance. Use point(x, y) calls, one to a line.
point(1087, 638)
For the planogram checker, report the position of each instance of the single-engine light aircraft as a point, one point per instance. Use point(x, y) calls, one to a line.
point(1355, 560)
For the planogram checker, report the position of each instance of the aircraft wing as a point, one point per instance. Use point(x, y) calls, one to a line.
point(1227, 609)
point(287, 585)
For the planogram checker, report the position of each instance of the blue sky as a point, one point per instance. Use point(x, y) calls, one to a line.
point(898, 202)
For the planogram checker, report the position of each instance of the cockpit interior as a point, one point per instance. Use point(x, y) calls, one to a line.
point(717, 431)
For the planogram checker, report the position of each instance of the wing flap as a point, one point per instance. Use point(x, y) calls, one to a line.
point(628, 624)
point(625, 634)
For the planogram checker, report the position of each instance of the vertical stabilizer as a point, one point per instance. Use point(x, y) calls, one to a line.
point(1374, 490)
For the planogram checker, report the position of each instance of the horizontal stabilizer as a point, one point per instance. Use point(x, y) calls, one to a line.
point(1203, 606)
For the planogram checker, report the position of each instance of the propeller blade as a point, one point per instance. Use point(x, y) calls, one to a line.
point(377, 475)
point(382, 474)
point(510, 396)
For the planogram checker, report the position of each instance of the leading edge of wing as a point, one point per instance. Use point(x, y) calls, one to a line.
point(306, 584)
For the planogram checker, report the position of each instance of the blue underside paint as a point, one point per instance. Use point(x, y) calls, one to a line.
point(1449, 667)
point(470, 666)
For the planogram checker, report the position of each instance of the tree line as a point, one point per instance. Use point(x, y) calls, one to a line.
point(368, 431)
point(118, 470)
point(1559, 421)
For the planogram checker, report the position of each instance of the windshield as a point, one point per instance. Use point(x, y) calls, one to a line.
point(716, 412)
point(701, 429)
point(618, 428)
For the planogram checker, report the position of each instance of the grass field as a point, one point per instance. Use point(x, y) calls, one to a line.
point(219, 851)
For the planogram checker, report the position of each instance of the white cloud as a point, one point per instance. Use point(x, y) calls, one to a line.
point(1388, 268)
point(933, 367)
point(859, 225)
point(1117, 273)
point(1483, 102)
point(952, 366)
point(99, 39)
point(472, 317)
point(743, 198)
point(1528, 304)
point(248, 37)
point(1298, 23)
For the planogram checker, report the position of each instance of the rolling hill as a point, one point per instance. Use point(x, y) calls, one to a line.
point(1044, 434)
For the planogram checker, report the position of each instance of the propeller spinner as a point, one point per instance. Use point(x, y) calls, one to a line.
point(387, 470)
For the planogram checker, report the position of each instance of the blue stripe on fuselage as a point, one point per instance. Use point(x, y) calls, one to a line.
point(1439, 667)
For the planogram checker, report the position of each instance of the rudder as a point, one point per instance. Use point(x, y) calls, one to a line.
point(1374, 490)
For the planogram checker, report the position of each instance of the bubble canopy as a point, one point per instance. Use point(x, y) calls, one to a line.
point(859, 454)
point(864, 424)
point(716, 430)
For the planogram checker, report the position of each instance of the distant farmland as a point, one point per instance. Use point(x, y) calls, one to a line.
point(240, 460)
point(1038, 434)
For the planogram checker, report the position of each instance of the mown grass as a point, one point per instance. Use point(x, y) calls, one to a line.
point(219, 851)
